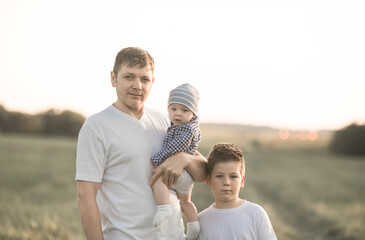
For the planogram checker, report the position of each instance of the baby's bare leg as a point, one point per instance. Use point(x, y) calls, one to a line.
point(191, 214)
point(187, 207)
point(162, 198)
point(161, 192)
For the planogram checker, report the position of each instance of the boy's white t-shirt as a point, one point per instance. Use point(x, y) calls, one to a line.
point(248, 221)
point(115, 149)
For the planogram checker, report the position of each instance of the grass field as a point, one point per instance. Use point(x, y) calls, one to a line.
point(307, 192)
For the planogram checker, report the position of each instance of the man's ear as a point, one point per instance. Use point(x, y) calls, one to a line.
point(243, 182)
point(113, 78)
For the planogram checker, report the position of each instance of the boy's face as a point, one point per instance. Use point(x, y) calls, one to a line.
point(179, 114)
point(226, 180)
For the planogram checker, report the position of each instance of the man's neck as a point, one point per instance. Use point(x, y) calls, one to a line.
point(136, 113)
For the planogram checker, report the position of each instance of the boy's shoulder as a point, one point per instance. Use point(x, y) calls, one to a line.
point(254, 207)
point(246, 207)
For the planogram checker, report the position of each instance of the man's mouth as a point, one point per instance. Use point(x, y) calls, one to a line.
point(135, 94)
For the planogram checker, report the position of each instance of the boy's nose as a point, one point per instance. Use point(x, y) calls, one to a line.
point(226, 181)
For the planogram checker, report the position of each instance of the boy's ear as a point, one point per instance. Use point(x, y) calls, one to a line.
point(207, 181)
point(243, 182)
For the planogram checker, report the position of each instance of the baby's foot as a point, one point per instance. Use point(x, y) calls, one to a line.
point(193, 230)
point(163, 212)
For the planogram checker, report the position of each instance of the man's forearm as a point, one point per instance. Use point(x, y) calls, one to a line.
point(171, 169)
point(90, 219)
point(197, 167)
point(89, 210)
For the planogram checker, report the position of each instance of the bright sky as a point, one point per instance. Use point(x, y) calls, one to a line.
point(287, 64)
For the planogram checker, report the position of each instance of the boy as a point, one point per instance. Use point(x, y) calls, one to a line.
point(182, 136)
point(231, 217)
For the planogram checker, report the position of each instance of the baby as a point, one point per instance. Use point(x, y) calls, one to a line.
point(182, 136)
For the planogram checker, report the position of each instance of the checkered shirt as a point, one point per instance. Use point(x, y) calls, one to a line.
point(181, 138)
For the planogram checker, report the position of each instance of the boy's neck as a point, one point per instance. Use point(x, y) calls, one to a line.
point(227, 205)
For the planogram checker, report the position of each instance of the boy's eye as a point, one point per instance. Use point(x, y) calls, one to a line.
point(128, 77)
point(145, 79)
point(219, 176)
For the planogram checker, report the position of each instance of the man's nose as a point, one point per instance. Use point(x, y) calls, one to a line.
point(137, 84)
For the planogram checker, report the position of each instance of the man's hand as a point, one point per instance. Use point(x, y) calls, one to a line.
point(171, 169)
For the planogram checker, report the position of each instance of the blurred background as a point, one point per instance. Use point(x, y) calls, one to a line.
point(282, 79)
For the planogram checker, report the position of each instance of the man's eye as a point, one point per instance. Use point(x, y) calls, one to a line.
point(145, 80)
point(128, 77)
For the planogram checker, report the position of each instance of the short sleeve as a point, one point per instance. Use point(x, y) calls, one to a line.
point(265, 230)
point(90, 154)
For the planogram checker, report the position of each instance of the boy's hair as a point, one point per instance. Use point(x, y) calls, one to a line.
point(225, 152)
point(133, 56)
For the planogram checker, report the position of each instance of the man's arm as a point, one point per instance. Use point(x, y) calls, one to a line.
point(171, 169)
point(198, 167)
point(89, 210)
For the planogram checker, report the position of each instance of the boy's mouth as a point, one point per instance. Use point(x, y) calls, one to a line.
point(226, 191)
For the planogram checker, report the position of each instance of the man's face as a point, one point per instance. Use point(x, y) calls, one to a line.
point(179, 114)
point(226, 180)
point(133, 84)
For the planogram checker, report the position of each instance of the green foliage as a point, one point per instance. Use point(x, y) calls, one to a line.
point(349, 140)
point(66, 123)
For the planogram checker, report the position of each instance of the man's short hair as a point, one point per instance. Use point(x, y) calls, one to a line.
point(131, 57)
point(225, 152)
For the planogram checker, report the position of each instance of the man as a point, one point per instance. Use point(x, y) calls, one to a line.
point(113, 166)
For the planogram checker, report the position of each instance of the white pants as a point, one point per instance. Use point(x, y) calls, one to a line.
point(184, 184)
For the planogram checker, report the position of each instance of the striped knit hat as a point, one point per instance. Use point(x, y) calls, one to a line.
point(186, 95)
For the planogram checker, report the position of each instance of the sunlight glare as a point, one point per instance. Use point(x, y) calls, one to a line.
point(312, 135)
point(284, 134)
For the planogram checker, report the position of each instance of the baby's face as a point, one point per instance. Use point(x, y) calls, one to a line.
point(179, 114)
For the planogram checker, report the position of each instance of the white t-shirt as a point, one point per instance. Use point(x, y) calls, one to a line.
point(115, 149)
point(248, 221)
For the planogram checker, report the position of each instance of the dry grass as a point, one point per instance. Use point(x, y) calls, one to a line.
point(308, 193)
point(37, 198)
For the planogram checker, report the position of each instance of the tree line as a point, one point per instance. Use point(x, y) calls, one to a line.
point(348, 140)
point(50, 122)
